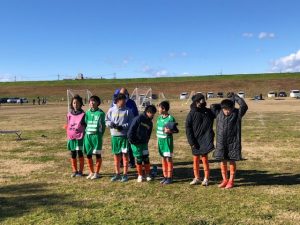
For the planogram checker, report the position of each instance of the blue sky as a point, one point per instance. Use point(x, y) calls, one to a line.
point(40, 39)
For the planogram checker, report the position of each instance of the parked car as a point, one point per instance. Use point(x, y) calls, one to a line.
point(220, 95)
point(3, 100)
point(282, 94)
point(12, 100)
point(184, 95)
point(272, 94)
point(241, 94)
point(295, 94)
point(210, 95)
point(22, 100)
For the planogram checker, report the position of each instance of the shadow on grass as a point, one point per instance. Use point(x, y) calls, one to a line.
point(183, 172)
point(19, 199)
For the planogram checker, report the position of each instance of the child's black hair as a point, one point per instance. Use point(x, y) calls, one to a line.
point(164, 105)
point(120, 97)
point(79, 99)
point(150, 109)
point(227, 104)
point(96, 99)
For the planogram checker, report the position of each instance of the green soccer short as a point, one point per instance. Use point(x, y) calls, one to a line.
point(75, 145)
point(119, 144)
point(139, 150)
point(92, 144)
point(165, 146)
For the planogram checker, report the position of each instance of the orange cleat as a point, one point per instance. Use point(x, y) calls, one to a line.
point(223, 184)
point(229, 185)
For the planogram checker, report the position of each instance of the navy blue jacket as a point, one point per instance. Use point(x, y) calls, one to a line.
point(140, 130)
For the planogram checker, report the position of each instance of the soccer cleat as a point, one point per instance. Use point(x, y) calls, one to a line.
point(140, 179)
point(163, 180)
point(116, 177)
point(90, 176)
point(223, 184)
point(79, 174)
point(95, 176)
point(168, 181)
point(229, 185)
point(148, 178)
point(74, 174)
point(195, 181)
point(204, 182)
point(124, 178)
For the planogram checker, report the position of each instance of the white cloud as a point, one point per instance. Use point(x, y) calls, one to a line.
point(177, 54)
point(289, 63)
point(6, 77)
point(266, 35)
point(247, 35)
point(156, 72)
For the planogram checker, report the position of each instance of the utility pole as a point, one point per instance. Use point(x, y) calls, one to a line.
point(15, 78)
point(58, 76)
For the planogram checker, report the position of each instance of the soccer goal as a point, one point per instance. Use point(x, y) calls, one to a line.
point(84, 94)
point(142, 97)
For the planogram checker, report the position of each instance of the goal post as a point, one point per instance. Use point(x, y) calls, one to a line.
point(85, 94)
point(142, 97)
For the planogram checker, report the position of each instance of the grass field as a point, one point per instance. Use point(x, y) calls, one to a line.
point(36, 188)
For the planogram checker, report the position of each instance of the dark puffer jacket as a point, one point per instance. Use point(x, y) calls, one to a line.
point(199, 130)
point(140, 130)
point(228, 129)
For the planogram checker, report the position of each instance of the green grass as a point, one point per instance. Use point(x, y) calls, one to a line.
point(267, 186)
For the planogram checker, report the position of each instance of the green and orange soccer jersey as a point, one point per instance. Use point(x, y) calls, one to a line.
point(165, 141)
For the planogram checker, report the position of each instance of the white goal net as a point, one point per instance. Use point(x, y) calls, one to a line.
point(84, 94)
point(142, 97)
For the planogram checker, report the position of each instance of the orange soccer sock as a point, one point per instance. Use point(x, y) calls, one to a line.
point(139, 169)
point(224, 170)
point(81, 164)
point(74, 164)
point(196, 160)
point(164, 167)
point(125, 163)
point(98, 164)
point(117, 160)
point(232, 168)
point(90, 165)
point(147, 169)
point(205, 166)
point(170, 168)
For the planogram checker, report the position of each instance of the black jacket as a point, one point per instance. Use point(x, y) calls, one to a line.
point(199, 130)
point(228, 129)
point(140, 130)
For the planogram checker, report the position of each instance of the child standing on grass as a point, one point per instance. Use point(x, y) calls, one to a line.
point(95, 120)
point(118, 119)
point(165, 141)
point(200, 135)
point(75, 132)
point(228, 128)
point(138, 136)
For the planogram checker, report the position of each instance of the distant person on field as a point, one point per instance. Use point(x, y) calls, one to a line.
point(39, 100)
point(75, 132)
point(33, 101)
point(138, 136)
point(228, 129)
point(118, 119)
point(200, 135)
point(165, 140)
point(93, 139)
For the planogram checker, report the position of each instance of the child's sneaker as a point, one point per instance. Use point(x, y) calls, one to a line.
point(148, 178)
point(116, 177)
point(90, 176)
point(163, 180)
point(204, 182)
point(74, 174)
point(154, 171)
point(140, 179)
point(95, 176)
point(223, 184)
point(168, 181)
point(79, 174)
point(195, 181)
point(229, 185)
point(124, 178)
